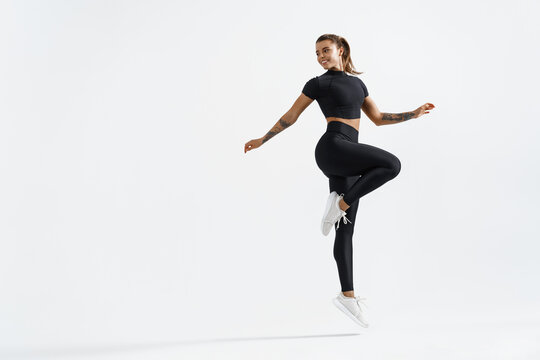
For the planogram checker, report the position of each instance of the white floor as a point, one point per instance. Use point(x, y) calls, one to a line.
point(413, 335)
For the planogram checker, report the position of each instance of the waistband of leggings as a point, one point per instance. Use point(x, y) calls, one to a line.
point(345, 129)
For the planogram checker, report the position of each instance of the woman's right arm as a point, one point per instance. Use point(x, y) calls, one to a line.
point(290, 117)
point(284, 122)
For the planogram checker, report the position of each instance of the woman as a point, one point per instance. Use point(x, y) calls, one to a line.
point(353, 169)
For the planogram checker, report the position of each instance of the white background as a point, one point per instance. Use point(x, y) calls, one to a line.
point(133, 223)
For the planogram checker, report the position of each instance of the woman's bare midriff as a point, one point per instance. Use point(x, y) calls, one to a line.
point(355, 123)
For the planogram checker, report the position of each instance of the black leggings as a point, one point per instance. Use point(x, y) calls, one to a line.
point(355, 170)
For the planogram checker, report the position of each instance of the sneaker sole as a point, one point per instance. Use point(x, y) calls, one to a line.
point(346, 311)
point(329, 203)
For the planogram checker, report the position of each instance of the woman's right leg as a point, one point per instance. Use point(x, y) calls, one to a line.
point(343, 243)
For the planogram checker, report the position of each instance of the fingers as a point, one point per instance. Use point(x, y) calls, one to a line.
point(248, 147)
point(427, 106)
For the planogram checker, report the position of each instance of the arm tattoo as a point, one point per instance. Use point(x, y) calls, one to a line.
point(398, 117)
point(280, 126)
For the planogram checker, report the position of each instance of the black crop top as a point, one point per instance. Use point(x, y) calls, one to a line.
point(338, 94)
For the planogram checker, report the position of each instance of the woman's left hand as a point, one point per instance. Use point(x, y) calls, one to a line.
point(424, 109)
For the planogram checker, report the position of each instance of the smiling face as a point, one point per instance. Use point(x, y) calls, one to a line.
point(328, 55)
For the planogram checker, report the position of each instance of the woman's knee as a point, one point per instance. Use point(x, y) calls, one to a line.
point(394, 167)
point(397, 167)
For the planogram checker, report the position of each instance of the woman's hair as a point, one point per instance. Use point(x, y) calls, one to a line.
point(341, 42)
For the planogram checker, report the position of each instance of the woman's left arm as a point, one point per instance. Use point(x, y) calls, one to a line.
point(380, 118)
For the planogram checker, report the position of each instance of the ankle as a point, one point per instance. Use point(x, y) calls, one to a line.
point(348, 293)
point(343, 205)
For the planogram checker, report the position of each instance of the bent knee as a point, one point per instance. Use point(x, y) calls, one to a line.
point(395, 167)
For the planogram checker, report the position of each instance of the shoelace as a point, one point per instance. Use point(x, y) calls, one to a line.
point(360, 300)
point(345, 220)
point(342, 216)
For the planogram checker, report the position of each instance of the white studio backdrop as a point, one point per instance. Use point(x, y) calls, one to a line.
point(130, 213)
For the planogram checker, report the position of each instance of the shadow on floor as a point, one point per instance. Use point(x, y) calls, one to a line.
point(103, 349)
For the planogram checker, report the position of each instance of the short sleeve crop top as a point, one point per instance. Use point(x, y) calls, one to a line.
point(338, 94)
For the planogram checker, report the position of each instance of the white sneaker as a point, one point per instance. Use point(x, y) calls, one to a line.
point(332, 213)
point(353, 307)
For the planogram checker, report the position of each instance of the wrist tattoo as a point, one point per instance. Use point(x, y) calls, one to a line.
point(398, 117)
point(280, 126)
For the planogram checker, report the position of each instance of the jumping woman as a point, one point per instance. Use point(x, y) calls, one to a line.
point(353, 169)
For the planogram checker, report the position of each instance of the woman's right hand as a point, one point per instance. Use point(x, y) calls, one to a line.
point(252, 144)
point(424, 109)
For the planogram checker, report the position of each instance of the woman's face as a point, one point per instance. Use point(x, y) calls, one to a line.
point(328, 55)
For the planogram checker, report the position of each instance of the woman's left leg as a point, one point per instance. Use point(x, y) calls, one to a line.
point(343, 249)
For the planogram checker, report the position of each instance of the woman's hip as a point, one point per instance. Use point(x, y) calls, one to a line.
point(335, 150)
